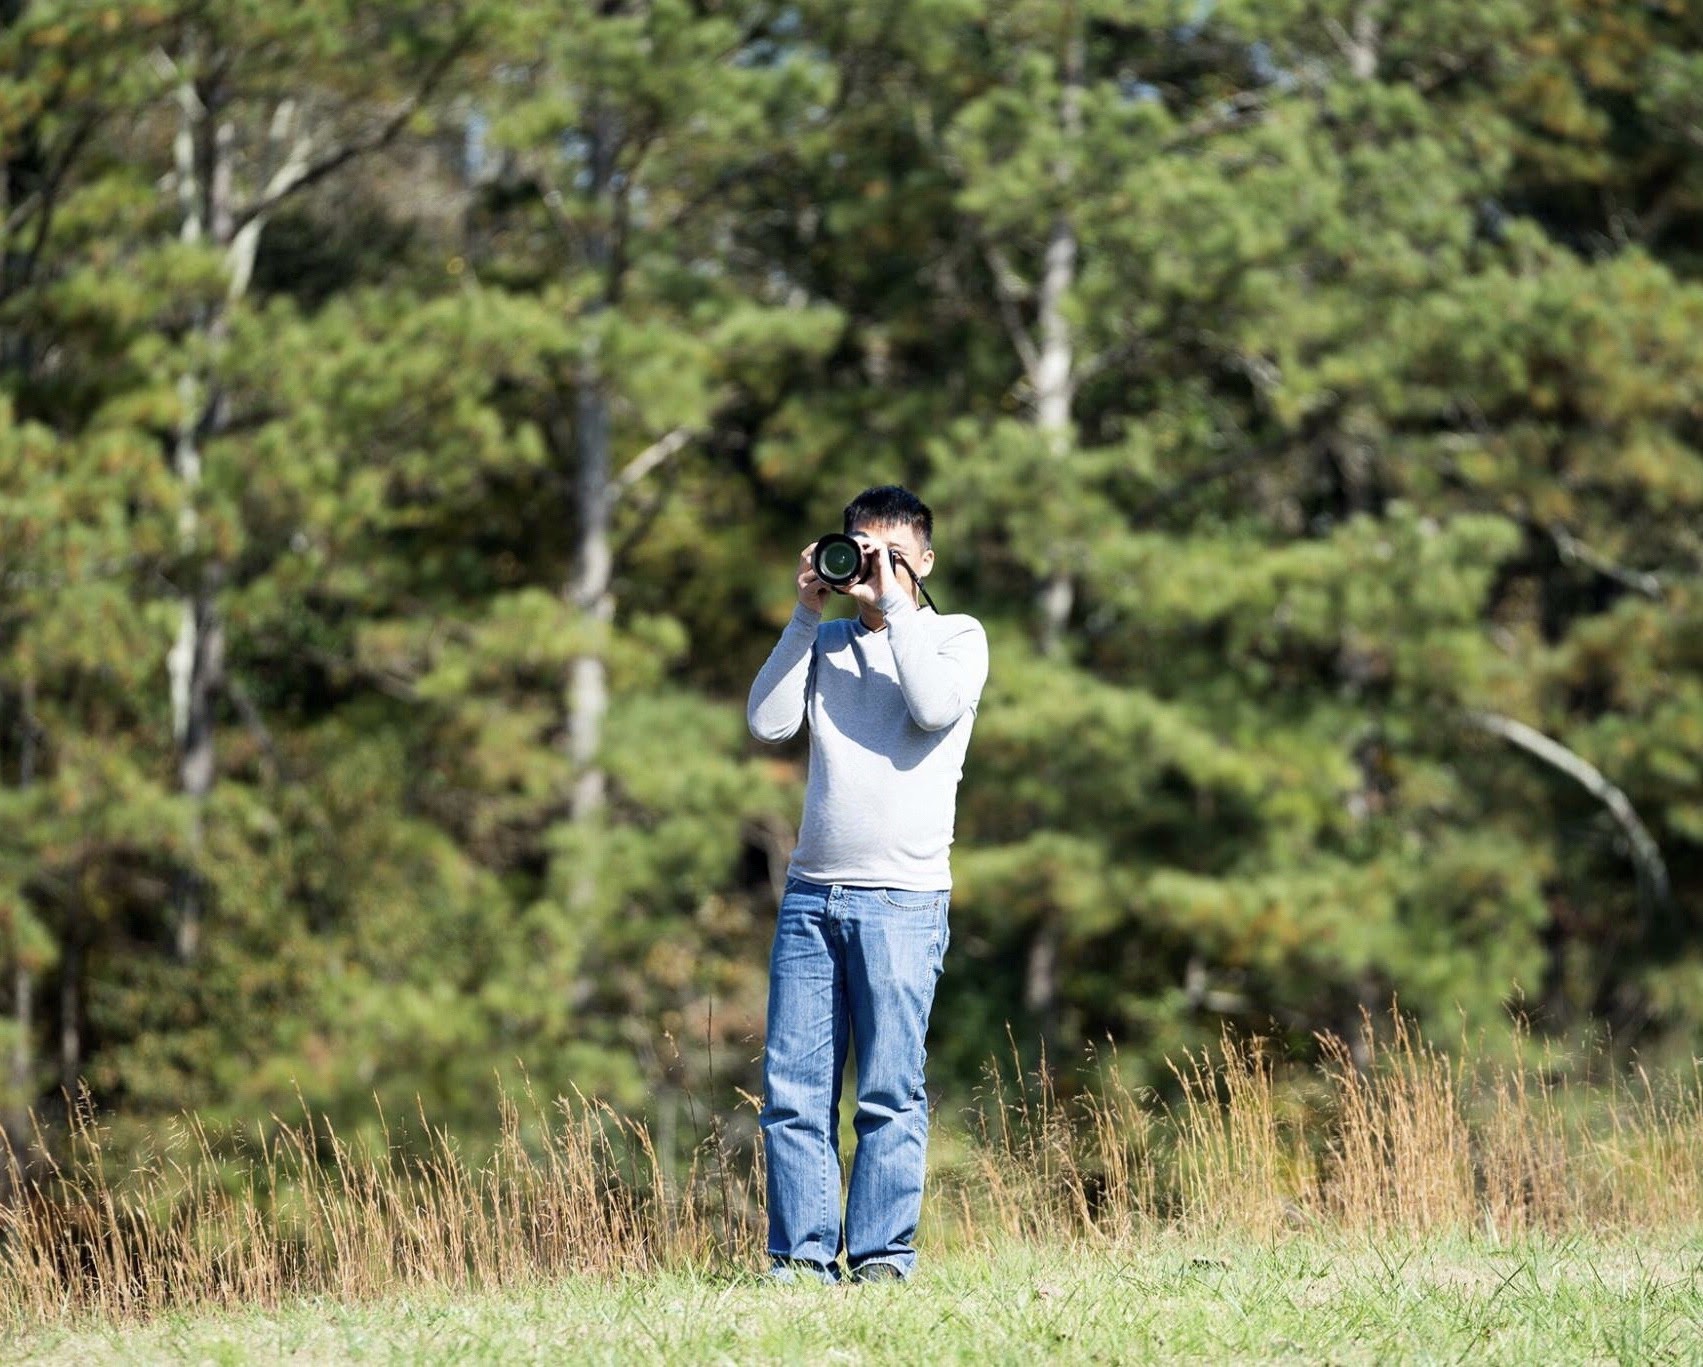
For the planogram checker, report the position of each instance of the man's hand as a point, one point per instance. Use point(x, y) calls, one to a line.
point(812, 592)
point(883, 577)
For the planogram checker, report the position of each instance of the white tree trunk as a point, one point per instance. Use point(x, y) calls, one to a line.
point(192, 652)
point(1053, 378)
point(22, 1070)
point(591, 591)
point(16, 1121)
point(1054, 371)
point(591, 587)
point(1040, 982)
point(71, 995)
point(1054, 382)
point(195, 663)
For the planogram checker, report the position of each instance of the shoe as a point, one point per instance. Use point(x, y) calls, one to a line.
point(789, 1274)
point(877, 1272)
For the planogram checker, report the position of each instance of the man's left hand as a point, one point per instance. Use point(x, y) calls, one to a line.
point(883, 578)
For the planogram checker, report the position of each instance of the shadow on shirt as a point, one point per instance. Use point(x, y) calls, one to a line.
point(868, 709)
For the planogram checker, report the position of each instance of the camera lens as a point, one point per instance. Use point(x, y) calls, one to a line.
point(838, 560)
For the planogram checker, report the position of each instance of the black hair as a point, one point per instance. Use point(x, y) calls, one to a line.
point(889, 505)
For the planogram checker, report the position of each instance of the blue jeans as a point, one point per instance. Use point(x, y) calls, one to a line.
point(850, 966)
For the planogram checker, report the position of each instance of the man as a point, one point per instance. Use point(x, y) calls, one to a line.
point(890, 696)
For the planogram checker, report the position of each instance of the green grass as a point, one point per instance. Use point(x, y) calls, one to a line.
point(1302, 1298)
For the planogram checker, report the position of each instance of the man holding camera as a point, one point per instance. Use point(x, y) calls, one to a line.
point(890, 696)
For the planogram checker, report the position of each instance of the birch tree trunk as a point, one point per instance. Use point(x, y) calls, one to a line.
point(204, 155)
point(1055, 384)
point(1053, 378)
point(21, 1081)
point(590, 589)
point(598, 485)
point(196, 657)
point(71, 995)
point(1054, 372)
point(21, 1065)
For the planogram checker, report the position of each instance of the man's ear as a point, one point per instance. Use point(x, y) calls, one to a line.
point(927, 563)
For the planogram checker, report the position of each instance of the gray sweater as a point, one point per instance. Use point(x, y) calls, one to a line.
point(890, 715)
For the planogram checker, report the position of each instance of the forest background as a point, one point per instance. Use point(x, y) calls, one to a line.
point(411, 412)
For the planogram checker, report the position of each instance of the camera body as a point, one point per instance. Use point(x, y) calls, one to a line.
point(841, 561)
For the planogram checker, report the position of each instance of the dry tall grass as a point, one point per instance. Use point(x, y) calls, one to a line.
point(1413, 1142)
point(1410, 1139)
point(252, 1217)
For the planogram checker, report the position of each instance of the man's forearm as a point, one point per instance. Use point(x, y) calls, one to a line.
point(775, 708)
point(940, 680)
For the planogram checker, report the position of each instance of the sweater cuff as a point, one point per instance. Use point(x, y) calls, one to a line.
point(804, 617)
point(895, 603)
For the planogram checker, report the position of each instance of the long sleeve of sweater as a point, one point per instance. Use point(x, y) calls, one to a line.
point(942, 664)
point(775, 708)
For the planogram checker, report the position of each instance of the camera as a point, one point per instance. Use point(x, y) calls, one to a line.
point(840, 560)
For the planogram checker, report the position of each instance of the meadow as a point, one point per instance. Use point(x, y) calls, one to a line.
point(1170, 1297)
point(1393, 1201)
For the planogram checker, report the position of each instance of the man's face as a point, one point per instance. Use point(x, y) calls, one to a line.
point(901, 538)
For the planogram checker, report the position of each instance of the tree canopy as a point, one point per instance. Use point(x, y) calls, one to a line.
point(411, 411)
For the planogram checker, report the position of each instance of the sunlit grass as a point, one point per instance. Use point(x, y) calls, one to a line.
point(1398, 1145)
point(1167, 1297)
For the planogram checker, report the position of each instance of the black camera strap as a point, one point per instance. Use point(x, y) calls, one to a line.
point(916, 579)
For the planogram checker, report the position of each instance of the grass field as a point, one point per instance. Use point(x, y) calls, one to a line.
point(1415, 1205)
point(1297, 1299)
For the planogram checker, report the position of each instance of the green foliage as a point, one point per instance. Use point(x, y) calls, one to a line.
point(1385, 328)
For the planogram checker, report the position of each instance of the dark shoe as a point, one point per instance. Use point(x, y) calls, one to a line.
point(784, 1273)
point(877, 1272)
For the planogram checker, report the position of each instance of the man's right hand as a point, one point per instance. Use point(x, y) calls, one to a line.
point(812, 592)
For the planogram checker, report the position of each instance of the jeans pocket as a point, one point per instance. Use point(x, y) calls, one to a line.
point(903, 899)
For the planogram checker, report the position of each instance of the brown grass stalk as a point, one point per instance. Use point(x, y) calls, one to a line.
point(1393, 1136)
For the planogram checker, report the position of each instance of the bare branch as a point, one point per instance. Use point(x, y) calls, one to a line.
point(243, 701)
point(551, 198)
point(298, 174)
point(20, 214)
point(1575, 552)
point(1097, 364)
point(387, 681)
point(647, 460)
point(245, 242)
point(49, 195)
point(284, 185)
point(1360, 48)
point(1144, 514)
point(1009, 289)
point(1237, 111)
point(1646, 855)
point(1339, 36)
